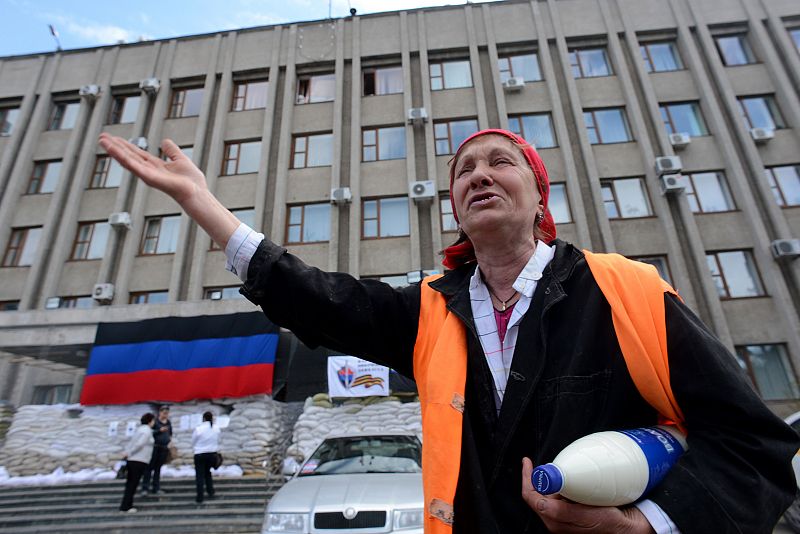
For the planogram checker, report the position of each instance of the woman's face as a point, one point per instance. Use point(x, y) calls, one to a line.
point(494, 189)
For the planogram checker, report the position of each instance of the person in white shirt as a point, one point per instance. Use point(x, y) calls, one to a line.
point(205, 442)
point(137, 454)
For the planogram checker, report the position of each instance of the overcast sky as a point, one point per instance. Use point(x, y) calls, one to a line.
point(87, 23)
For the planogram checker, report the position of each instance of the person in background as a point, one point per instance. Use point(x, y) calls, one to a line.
point(137, 454)
point(162, 432)
point(205, 442)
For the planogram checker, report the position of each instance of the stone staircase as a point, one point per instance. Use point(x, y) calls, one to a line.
point(238, 506)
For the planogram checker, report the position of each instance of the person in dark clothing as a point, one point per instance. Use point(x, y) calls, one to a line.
point(137, 454)
point(532, 336)
point(162, 434)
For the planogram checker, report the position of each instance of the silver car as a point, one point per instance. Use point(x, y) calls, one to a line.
point(363, 483)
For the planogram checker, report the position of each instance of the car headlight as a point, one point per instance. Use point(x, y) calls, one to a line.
point(286, 523)
point(407, 519)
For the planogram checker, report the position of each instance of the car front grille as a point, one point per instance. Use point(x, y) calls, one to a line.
point(337, 520)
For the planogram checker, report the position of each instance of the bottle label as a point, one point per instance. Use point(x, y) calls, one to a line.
point(660, 448)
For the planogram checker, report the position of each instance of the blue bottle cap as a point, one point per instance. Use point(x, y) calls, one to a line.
point(547, 479)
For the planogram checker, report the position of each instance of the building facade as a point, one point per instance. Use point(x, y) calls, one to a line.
point(333, 138)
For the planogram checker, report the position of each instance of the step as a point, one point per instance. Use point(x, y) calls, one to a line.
point(223, 495)
point(83, 518)
point(104, 486)
point(61, 507)
point(134, 524)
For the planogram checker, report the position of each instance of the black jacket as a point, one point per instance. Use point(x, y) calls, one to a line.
point(568, 379)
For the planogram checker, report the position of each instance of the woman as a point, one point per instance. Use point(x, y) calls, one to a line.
point(205, 442)
point(137, 454)
point(516, 354)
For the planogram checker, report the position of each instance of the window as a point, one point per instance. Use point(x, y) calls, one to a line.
point(44, 177)
point(107, 173)
point(241, 157)
point(524, 66)
point(60, 394)
point(394, 280)
point(90, 241)
point(81, 303)
point(22, 246)
point(63, 116)
point(660, 263)
point(383, 81)
point(384, 217)
point(769, 370)
point(606, 126)
point(589, 63)
point(124, 109)
point(160, 235)
point(383, 143)
point(683, 117)
point(558, 204)
point(448, 135)
point(314, 150)
point(734, 50)
point(708, 192)
point(250, 94)
point(536, 129)
point(186, 102)
point(246, 215)
point(318, 88)
point(308, 223)
point(450, 75)
point(148, 297)
point(785, 184)
point(448, 220)
point(761, 112)
point(660, 57)
point(625, 198)
point(222, 293)
point(795, 35)
point(8, 118)
point(9, 305)
point(734, 274)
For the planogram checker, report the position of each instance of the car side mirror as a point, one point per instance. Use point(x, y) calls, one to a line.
point(290, 466)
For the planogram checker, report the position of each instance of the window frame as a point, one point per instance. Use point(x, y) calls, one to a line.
point(747, 50)
point(775, 184)
point(49, 394)
point(374, 72)
point(209, 290)
point(749, 258)
point(157, 237)
point(58, 112)
point(721, 179)
point(377, 145)
point(302, 98)
point(9, 305)
point(301, 225)
point(305, 152)
point(5, 111)
point(118, 111)
point(134, 295)
point(87, 243)
point(664, 107)
point(579, 63)
point(658, 257)
point(563, 185)
point(519, 117)
point(510, 70)
point(596, 128)
point(39, 180)
point(71, 302)
point(441, 63)
point(377, 218)
point(772, 106)
point(605, 182)
point(102, 175)
point(743, 355)
point(449, 123)
point(177, 101)
point(237, 99)
point(18, 249)
point(445, 202)
point(226, 156)
point(647, 56)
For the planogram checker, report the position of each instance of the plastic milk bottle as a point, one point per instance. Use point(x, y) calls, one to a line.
point(611, 468)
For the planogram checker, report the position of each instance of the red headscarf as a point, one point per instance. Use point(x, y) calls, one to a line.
point(457, 255)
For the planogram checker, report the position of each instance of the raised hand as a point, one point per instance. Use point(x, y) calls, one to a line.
point(563, 516)
point(178, 177)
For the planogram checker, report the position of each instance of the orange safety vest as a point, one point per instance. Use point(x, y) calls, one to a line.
point(635, 293)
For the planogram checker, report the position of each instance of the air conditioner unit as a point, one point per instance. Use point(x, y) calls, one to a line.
point(672, 184)
point(417, 115)
point(668, 165)
point(423, 190)
point(52, 303)
point(89, 92)
point(341, 195)
point(150, 85)
point(414, 277)
point(141, 142)
point(121, 219)
point(785, 249)
point(513, 84)
point(103, 292)
point(679, 140)
point(761, 135)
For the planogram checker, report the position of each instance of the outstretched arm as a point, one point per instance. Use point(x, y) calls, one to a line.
point(179, 178)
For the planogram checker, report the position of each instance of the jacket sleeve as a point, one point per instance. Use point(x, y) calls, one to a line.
point(736, 475)
point(364, 318)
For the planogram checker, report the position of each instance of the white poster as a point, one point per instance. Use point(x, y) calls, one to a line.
point(113, 426)
point(223, 421)
point(185, 422)
point(349, 376)
point(131, 428)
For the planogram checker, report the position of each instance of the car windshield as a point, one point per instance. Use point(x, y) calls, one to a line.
point(365, 454)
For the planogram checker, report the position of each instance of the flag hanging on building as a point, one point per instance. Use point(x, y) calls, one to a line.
point(181, 358)
point(349, 376)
